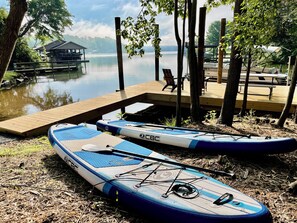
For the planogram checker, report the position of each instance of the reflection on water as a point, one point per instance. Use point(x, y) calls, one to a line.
point(96, 78)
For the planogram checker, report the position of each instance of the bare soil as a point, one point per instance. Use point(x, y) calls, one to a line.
point(40, 187)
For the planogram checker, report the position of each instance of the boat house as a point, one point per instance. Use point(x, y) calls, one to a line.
point(61, 51)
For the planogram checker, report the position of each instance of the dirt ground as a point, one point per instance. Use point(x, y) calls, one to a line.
point(37, 186)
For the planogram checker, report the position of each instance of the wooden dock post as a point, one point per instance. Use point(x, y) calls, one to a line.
point(202, 16)
point(119, 55)
point(157, 55)
point(221, 51)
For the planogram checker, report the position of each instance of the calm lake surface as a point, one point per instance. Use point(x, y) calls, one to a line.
point(96, 78)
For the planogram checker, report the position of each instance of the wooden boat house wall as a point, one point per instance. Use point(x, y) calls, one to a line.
point(61, 51)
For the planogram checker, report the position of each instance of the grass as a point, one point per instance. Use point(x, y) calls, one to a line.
point(9, 75)
point(169, 121)
point(26, 148)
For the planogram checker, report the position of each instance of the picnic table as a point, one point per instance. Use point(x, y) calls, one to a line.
point(264, 76)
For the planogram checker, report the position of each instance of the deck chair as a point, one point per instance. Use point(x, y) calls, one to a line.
point(170, 80)
point(205, 81)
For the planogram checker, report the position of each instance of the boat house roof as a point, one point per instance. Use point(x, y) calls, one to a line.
point(69, 45)
point(61, 45)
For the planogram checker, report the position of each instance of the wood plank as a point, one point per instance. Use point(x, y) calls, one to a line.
point(149, 92)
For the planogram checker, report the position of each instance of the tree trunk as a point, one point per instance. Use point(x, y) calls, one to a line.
point(192, 58)
point(9, 37)
point(287, 107)
point(228, 107)
point(246, 85)
point(179, 64)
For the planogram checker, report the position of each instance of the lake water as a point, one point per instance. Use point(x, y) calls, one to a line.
point(96, 78)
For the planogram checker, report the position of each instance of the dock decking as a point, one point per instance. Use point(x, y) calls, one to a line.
point(150, 92)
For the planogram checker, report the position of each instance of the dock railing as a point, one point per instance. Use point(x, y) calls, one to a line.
point(46, 66)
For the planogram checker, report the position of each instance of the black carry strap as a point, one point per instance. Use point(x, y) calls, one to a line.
point(225, 198)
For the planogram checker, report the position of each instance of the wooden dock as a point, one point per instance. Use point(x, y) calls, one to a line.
point(46, 67)
point(150, 92)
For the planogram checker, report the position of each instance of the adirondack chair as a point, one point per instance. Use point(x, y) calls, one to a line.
point(206, 79)
point(170, 80)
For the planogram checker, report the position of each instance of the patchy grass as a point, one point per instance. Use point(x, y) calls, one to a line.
point(9, 75)
point(24, 148)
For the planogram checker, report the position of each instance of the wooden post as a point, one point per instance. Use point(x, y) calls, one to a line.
point(221, 51)
point(119, 55)
point(289, 67)
point(201, 40)
point(119, 52)
point(157, 62)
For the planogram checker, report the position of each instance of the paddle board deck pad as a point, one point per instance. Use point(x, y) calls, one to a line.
point(158, 190)
point(212, 142)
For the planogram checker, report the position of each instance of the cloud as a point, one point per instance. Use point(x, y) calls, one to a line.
point(88, 27)
point(216, 14)
point(97, 7)
point(85, 28)
point(129, 9)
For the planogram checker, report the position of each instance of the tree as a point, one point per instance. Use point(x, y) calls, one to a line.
point(180, 55)
point(140, 31)
point(23, 53)
point(3, 17)
point(213, 33)
point(286, 28)
point(9, 36)
point(45, 18)
point(257, 26)
point(228, 107)
point(288, 104)
point(193, 65)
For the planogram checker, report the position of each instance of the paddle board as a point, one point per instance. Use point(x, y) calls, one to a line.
point(203, 141)
point(160, 191)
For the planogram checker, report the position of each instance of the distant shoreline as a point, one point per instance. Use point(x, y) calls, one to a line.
point(91, 55)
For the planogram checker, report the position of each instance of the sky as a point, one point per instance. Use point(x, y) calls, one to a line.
point(95, 18)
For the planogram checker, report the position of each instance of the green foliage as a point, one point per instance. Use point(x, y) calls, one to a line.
point(213, 33)
point(263, 23)
point(26, 149)
point(3, 16)
point(46, 19)
point(121, 115)
point(211, 117)
point(9, 75)
point(139, 33)
point(216, 3)
point(169, 121)
point(23, 53)
point(187, 121)
point(141, 30)
point(286, 28)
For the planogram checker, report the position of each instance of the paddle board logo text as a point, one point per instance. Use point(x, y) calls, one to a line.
point(70, 163)
point(150, 137)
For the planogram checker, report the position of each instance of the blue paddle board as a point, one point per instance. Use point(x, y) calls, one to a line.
point(203, 141)
point(160, 191)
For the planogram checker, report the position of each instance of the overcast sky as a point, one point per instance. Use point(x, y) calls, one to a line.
point(95, 18)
